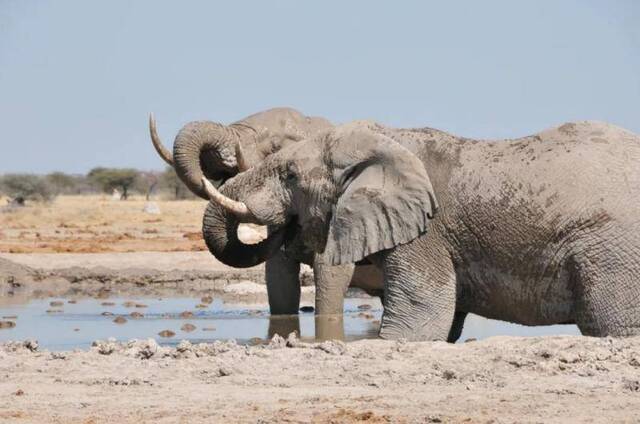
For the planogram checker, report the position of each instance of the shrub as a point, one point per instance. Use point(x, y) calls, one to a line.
point(27, 186)
point(169, 181)
point(106, 179)
point(67, 183)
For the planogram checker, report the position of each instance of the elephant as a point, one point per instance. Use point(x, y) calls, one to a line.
point(218, 152)
point(538, 230)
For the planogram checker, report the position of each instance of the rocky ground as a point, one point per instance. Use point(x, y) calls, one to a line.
point(552, 379)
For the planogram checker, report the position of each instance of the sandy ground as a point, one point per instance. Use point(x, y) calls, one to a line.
point(90, 224)
point(559, 379)
point(99, 224)
point(160, 261)
point(25, 276)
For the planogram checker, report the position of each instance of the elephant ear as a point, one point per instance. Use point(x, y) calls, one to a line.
point(385, 197)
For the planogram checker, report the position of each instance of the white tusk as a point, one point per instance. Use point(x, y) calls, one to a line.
point(157, 143)
point(237, 208)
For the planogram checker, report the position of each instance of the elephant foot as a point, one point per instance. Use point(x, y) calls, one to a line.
point(283, 325)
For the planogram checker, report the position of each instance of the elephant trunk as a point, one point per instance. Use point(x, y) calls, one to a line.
point(204, 148)
point(220, 232)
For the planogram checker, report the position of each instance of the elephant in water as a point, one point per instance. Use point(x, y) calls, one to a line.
point(218, 152)
point(539, 230)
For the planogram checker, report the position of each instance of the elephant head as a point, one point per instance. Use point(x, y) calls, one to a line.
point(350, 192)
point(218, 152)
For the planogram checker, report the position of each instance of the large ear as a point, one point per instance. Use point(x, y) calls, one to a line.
point(385, 197)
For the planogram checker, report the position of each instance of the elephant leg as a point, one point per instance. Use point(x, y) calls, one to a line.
point(607, 292)
point(420, 292)
point(282, 275)
point(284, 325)
point(456, 326)
point(332, 283)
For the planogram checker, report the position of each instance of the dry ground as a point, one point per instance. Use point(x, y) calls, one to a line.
point(90, 224)
point(498, 380)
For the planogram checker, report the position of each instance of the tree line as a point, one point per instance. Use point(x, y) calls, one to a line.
point(125, 181)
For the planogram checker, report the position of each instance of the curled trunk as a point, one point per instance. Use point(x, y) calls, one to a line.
point(220, 232)
point(205, 148)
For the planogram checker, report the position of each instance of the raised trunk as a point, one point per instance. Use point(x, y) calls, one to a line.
point(220, 232)
point(204, 148)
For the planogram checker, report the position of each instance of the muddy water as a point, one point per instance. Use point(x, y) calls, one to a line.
point(60, 325)
point(77, 325)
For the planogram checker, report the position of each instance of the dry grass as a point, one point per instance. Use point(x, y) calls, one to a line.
point(99, 224)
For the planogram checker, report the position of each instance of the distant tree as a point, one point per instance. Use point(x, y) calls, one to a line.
point(66, 183)
point(170, 181)
point(27, 186)
point(107, 179)
point(147, 182)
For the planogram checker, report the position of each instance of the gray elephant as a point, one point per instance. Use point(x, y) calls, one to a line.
point(539, 230)
point(218, 152)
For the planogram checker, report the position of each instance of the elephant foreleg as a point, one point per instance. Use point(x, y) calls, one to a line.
point(332, 283)
point(284, 325)
point(282, 276)
point(420, 292)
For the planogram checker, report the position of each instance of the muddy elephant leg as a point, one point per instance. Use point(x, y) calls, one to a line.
point(282, 275)
point(420, 292)
point(332, 283)
point(607, 293)
point(456, 326)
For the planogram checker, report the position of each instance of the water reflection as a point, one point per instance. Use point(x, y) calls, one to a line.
point(84, 320)
point(80, 323)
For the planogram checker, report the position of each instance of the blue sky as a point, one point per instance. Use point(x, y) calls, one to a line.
point(78, 78)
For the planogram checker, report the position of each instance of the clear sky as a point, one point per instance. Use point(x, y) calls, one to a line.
point(78, 78)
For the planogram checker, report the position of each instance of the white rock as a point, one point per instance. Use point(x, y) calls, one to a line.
point(151, 208)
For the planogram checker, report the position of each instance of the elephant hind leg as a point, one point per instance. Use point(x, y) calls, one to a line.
point(456, 327)
point(607, 284)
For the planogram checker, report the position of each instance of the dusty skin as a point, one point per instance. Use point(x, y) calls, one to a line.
point(501, 379)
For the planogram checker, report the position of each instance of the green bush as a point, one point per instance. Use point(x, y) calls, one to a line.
point(63, 183)
point(27, 186)
point(106, 179)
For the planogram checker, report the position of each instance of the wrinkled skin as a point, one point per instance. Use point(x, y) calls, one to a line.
point(539, 230)
point(205, 148)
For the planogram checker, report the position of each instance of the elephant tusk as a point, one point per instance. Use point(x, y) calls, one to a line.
point(157, 143)
point(239, 209)
point(240, 159)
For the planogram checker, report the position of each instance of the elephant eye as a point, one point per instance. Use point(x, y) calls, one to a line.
point(290, 174)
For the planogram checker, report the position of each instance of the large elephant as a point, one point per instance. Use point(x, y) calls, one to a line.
point(218, 152)
point(539, 230)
